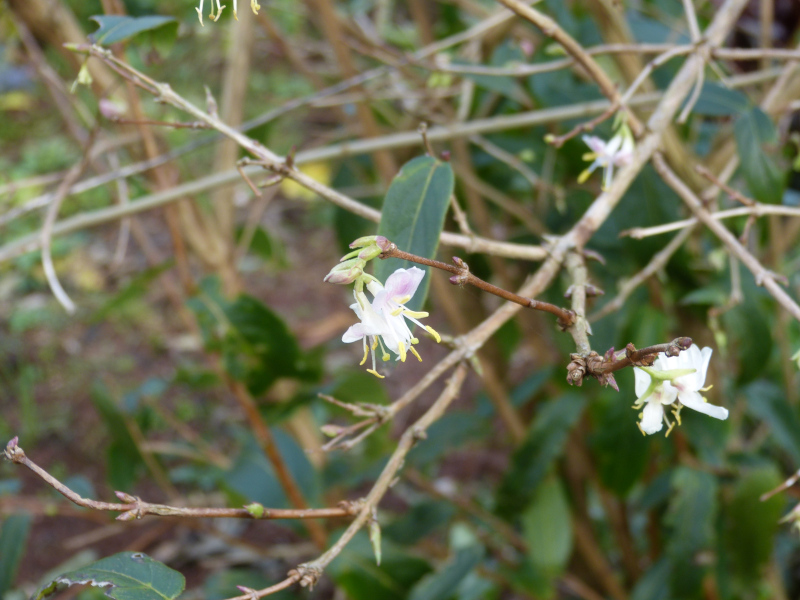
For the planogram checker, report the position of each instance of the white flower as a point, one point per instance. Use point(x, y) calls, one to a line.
point(617, 152)
point(382, 322)
point(674, 378)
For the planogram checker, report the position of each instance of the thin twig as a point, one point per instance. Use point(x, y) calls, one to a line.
point(462, 276)
point(762, 275)
point(133, 507)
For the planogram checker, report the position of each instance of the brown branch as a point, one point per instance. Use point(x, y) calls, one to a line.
point(762, 275)
point(133, 507)
point(462, 276)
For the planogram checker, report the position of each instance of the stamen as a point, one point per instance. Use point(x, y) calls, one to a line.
point(671, 427)
point(402, 299)
point(705, 389)
point(414, 340)
point(200, 12)
point(584, 176)
point(589, 156)
point(402, 348)
point(415, 353)
point(640, 429)
point(374, 372)
point(366, 352)
point(255, 6)
point(414, 314)
point(434, 333)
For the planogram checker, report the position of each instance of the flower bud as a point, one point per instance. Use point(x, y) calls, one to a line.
point(364, 241)
point(346, 272)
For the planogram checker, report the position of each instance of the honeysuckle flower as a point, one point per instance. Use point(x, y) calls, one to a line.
point(617, 152)
point(673, 381)
point(382, 322)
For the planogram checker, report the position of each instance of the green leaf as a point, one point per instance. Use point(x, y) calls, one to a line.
point(115, 28)
point(124, 576)
point(716, 100)
point(252, 478)
point(752, 524)
point(272, 349)
point(769, 403)
point(13, 541)
point(443, 583)
point(532, 461)
point(413, 216)
point(547, 528)
point(420, 520)
point(690, 518)
point(764, 179)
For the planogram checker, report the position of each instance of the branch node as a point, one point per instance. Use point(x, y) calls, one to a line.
point(309, 575)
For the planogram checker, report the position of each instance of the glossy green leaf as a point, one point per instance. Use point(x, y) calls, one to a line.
point(753, 130)
point(769, 403)
point(654, 584)
point(124, 576)
point(115, 28)
point(413, 216)
point(751, 338)
point(14, 531)
point(266, 345)
point(532, 460)
point(752, 524)
point(716, 100)
point(547, 528)
point(443, 583)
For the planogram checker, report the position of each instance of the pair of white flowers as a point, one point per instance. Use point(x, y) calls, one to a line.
point(382, 322)
point(253, 4)
point(674, 381)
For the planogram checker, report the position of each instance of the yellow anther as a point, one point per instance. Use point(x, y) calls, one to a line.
point(705, 389)
point(255, 6)
point(415, 314)
point(401, 347)
point(374, 343)
point(397, 311)
point(640, 429)
point(385, 356)
point(374, 372)
point(415, 340)
point(402, 299)
point(200, 15)
point(434, 333)
point(584, 176)
point(671, 427)
point(589, 156)
point(366, 353)
point(415, 353)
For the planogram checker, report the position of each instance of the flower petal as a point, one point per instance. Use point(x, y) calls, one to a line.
point(404, 282)
point(596, 144)
point(652, 418)
point(642, 381)
point(354, 333)
point(696, 402)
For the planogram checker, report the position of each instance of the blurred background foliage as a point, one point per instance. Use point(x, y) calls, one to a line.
point(133, 392)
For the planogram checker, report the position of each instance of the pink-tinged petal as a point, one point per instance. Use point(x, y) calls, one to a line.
point(652, 418)
point(613, 146)
point(404, 282)
point(596, 144)
point(641, 380)
point(695, 401)
point(354, 334)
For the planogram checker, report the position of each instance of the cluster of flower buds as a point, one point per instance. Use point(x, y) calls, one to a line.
point(382, 321)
